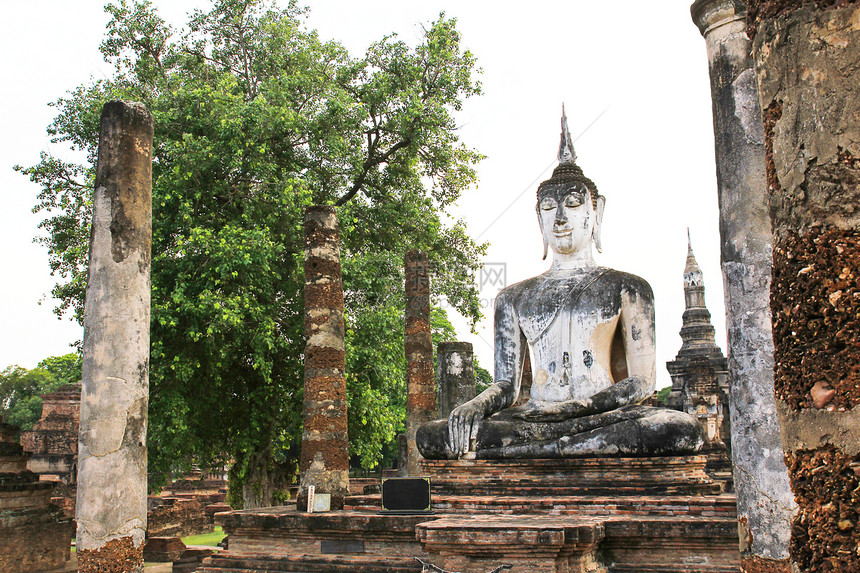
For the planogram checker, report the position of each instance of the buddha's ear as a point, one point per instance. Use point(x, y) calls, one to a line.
point(543, 236)
point(598, 222)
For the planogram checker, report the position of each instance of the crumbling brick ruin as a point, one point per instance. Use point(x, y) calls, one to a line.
point(807, 55)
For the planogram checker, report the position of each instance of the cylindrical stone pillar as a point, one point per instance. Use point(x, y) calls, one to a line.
point(455, 375)
point(418, 343)
point(765, 503)
point(324, 461)
point(807, 57)
point(111, 494)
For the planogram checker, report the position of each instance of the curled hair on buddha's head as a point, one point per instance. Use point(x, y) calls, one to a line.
point(568, 173)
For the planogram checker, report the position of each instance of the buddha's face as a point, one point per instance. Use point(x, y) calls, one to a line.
point(567, 218)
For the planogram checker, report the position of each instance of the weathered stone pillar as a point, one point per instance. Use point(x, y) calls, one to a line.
point(420, 386)
point(111, 497)
point(324, 460)
point(807, 58)
point(765, 503)
point(455, 375)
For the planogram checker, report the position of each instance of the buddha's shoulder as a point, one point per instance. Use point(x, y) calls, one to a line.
point(626, 282)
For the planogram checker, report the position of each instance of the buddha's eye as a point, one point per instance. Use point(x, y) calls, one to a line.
point(547, 203)
point(575, 199)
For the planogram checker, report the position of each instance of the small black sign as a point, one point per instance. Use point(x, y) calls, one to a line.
point(406, 495)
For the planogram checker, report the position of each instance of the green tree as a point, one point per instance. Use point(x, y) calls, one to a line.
point(21, 389)
point(255, 119)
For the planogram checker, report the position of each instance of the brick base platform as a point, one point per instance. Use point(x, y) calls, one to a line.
point(721, 506)
point(646, 525)
point(536, 544)
point(577, 476)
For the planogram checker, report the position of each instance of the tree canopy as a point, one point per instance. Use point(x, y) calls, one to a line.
point(255, 119)
point(21, 389)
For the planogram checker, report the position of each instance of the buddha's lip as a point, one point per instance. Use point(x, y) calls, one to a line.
point(562, 233)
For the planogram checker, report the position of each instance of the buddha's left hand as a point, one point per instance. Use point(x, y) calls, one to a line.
point(553, 411)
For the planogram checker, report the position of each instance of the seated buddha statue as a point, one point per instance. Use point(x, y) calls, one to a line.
point(589, 332)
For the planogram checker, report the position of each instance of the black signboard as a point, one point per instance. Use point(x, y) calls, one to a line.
point(406, 495)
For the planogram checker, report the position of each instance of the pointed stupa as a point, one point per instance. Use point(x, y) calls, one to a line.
point(700, 370)
point(692, 272)
point(696, 331)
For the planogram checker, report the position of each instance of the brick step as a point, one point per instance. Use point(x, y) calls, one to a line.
point(225, 562)
point(680, 568)
point(723, 505)
point(563, 488)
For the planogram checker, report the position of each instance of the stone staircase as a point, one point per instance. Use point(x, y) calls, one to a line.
point(542, 516)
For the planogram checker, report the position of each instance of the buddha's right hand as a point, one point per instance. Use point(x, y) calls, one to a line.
point(463, 424)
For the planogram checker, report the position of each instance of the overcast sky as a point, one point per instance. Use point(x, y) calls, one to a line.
point(634, 80)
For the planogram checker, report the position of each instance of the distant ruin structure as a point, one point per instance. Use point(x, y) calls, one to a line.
point(807, 57)
point(112, 486)
point(34, 536)
point(700, 382)
point(324, 461)
point(53, 441)
point(765, 504)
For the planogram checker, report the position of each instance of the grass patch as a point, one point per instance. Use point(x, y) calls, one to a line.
point(213, 538)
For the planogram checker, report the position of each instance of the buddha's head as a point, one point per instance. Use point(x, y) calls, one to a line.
point(569, 208)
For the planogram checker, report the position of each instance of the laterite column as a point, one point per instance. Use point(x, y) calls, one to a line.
point(111, 495)
point(325, 447)
point(765, 502)
point(807, 61)
point(420, 385)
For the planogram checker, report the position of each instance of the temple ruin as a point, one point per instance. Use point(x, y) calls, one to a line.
point(700, 384)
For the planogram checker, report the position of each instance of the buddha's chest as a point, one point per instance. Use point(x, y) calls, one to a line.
point(570, 327)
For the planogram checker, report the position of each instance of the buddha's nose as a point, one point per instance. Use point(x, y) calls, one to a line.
point(560, 216)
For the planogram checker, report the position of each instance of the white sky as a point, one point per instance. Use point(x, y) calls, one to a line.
point(651, 152)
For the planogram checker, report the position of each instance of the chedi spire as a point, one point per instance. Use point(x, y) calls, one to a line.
point(568, 172)
point(566, 152)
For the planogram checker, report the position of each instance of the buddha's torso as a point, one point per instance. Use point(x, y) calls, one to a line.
point(570, 321)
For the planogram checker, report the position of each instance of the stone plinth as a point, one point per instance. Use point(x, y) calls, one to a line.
point(529, 543)
point(34, 536)
point(573, 476)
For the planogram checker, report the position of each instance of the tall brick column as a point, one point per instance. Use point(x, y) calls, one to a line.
point(765, 502)
point(324, 460)
point(421, 387)
point(111, 497)
point(455, 375)
point(807, 57)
